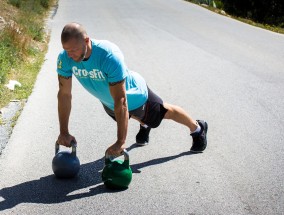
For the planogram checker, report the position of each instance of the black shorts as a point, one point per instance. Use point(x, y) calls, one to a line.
point(151, 113)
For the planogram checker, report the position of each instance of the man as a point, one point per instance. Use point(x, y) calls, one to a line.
point(99, 66)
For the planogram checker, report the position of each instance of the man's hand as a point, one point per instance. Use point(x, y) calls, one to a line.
point(65, 140)
point(116, 149)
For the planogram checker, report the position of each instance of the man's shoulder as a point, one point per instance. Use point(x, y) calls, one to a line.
point(101, 43)
point(62, 55)
point(63, 62)
point(105, 46)
point(64, 58)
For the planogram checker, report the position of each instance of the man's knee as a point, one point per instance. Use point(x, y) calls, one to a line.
point(170, 110)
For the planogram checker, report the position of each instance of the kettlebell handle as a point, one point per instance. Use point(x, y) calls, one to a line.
point(124, 152)
point(73, 145)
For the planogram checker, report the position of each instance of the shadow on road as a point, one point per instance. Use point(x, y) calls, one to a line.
point(50, 190)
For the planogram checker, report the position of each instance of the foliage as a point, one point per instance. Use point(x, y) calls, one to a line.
point(30, 9)
point(263, 11)
point(22, 45)
point(10, 52)
point(30, 4)
point(219, 4)
point(263, 14)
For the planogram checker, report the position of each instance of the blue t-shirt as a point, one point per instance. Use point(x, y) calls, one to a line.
point(105, 65)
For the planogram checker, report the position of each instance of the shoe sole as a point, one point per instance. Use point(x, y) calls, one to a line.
point(142, 144)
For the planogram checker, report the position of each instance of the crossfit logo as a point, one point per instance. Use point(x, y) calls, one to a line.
point(59, 64)
point(83, 73)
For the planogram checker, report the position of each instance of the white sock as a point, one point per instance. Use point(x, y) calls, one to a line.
point(197, 130)
point(145, 126)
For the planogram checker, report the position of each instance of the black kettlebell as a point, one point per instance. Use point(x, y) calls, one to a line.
point(65, 164)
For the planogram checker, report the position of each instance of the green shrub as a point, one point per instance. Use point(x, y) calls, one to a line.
point(32, 27)
point(219, 4)
point(44, 3)
point(16, 3)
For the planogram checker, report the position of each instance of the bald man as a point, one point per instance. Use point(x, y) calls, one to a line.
point(100, 68)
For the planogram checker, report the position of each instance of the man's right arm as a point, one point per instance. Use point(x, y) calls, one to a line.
point(64, 108)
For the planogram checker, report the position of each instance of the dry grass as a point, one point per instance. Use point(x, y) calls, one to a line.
point(23, 43)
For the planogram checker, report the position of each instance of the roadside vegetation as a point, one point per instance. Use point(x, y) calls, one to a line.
point(23, 44)
point(260, 13)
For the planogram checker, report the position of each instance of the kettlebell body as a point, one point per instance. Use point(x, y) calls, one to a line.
point(117, 174)
point(65, 164)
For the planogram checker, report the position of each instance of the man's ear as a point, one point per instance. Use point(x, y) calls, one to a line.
point(87, 39)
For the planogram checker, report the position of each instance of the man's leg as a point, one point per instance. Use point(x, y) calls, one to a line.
point(156, 110)
point(179, 115)
point(142, 137)
point(197, 128)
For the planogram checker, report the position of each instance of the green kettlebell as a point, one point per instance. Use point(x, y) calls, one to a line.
point(117, 174)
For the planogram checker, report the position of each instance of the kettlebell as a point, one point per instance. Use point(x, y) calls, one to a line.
point(117, 174)
point(65, 164)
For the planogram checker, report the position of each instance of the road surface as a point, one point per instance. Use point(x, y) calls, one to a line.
point(218, 69)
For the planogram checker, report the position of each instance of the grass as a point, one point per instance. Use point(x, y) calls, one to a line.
point(219, 8)
point(264, 26)
point(16, 116)
point(23, 44)
point(12, 122)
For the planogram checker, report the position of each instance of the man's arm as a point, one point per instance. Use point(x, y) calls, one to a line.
point(118, 92)
point(64, 108)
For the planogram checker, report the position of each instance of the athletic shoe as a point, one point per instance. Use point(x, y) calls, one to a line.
point(142, 138)
point(199, 142)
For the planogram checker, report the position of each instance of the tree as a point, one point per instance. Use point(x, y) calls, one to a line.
point(263, 11)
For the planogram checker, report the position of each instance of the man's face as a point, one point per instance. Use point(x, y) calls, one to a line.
point(76, 49)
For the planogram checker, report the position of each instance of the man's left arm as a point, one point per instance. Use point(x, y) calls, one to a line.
point(118, 93)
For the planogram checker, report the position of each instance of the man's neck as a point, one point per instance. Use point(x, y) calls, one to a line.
point(89, 50)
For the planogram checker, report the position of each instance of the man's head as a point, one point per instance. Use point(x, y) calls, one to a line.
point(75, 41)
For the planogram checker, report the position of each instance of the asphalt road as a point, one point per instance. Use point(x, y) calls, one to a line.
point(218, 69)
